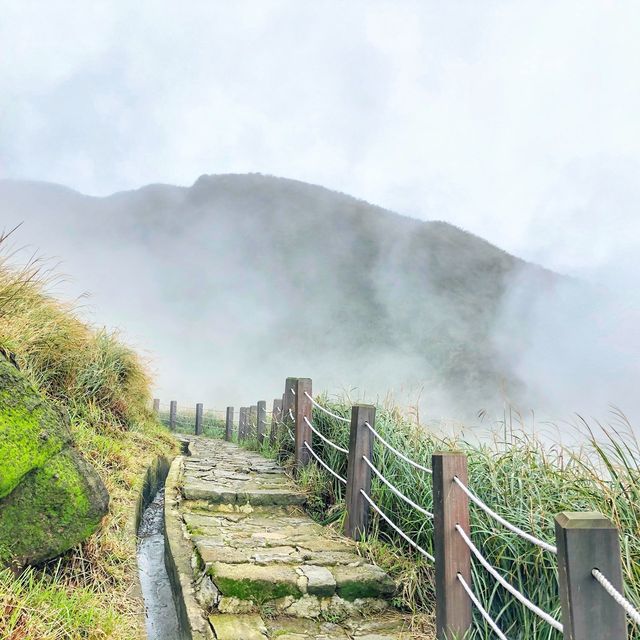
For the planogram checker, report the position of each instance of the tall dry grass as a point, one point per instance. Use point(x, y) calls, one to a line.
point(105, 389)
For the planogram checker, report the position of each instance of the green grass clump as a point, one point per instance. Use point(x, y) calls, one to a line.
point(104, 389)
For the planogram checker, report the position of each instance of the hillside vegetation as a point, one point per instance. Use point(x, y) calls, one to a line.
point(523, 480)
point(103, 387)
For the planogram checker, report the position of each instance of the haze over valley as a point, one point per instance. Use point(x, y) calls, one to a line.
point(239, 280)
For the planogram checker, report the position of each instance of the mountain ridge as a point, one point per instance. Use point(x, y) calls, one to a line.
point(341, 284)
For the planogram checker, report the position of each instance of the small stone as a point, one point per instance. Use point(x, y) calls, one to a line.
point(234, 627)
point(321, 582)
point(207, 594)
point(306, 607)
point(235, 606)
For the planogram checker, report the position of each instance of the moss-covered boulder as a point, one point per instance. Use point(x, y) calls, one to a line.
point(51, 498)
point(31, 430)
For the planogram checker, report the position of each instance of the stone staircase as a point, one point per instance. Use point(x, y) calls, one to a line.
point(262, 568)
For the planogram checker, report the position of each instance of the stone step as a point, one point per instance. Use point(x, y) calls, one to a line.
point(283, 558)
point(253, 627)
point(263, 568)
point(224, 474)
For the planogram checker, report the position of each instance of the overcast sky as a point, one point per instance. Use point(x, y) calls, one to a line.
point(516, 120)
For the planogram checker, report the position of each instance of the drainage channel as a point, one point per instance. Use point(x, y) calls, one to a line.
point(160, 611)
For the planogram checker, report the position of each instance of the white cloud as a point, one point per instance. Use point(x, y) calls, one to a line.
point(517, 121)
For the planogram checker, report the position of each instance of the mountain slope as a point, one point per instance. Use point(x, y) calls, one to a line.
point(242, 279)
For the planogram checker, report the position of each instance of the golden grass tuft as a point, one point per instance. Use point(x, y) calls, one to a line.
point(105, 389)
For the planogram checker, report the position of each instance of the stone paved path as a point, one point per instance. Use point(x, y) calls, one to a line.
point(263, 569)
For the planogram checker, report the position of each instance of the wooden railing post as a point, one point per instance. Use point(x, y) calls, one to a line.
point(156, 406)
point(451, 507)
point(358, 472)
point(228, 434)
point(198, 429)
point(242, 424)
point(173, 412)
point(252, 423)
point(275, 418)
point(302, 433)
point(261, 421)
point(588, 541)
point(289, 402)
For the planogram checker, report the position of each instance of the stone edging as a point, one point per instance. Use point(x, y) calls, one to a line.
point(178, 552)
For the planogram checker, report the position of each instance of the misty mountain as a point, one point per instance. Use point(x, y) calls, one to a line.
point(240, 280)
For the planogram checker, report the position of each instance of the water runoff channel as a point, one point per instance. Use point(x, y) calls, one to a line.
point(160, 610)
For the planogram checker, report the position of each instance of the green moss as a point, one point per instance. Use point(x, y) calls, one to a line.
point(31, 431)
point(259, 591)
point(53, 508)
point(195, 531)
point(358, 589)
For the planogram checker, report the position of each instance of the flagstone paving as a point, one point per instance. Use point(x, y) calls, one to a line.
point(264, 569)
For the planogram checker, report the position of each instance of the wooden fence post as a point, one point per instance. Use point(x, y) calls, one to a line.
point(358, 472)
point(198, 429)
point(173, 411)
point(252, 423)
point(589, 541)
point(289, 402)
point(451, 507)
point(156, 406)
point(261, 420)
point(242, 424)
point(302, 433)
point(275, 418)
point(228, 434)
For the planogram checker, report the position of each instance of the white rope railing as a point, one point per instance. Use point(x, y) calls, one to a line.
point(631, 611)
point(329, 413)
point(292, 390)
point(291, 435)
point(396, 528)
point(324, 464)
point(324, 438)
point(291, 414)
point(512, 527)
point(510, 588)
point(394, 450)
point(397, 491)
point(485, 614)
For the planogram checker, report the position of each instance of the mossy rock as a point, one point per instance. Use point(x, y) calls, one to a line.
point(31, 430)
point(54, 508)
point(50, 497)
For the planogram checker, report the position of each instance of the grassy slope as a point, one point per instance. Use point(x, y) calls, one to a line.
point(104, 388)
point(523, 481)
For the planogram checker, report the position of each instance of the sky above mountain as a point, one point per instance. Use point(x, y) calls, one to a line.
point(516, 121)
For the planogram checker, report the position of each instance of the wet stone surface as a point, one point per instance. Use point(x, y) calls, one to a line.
point(160, 612)
point(263, 569)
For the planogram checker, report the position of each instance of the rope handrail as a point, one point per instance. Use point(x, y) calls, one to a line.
point(509, 587)
point(324, 438)
point(481, 609)
point(395, 527)
point(291, 435)
point(291, 414)
point(391, 448)
point(324, 464)
point(292, 390)
point(512, 527)
point(630, 610)
point(397, 491)
point(329, 413)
